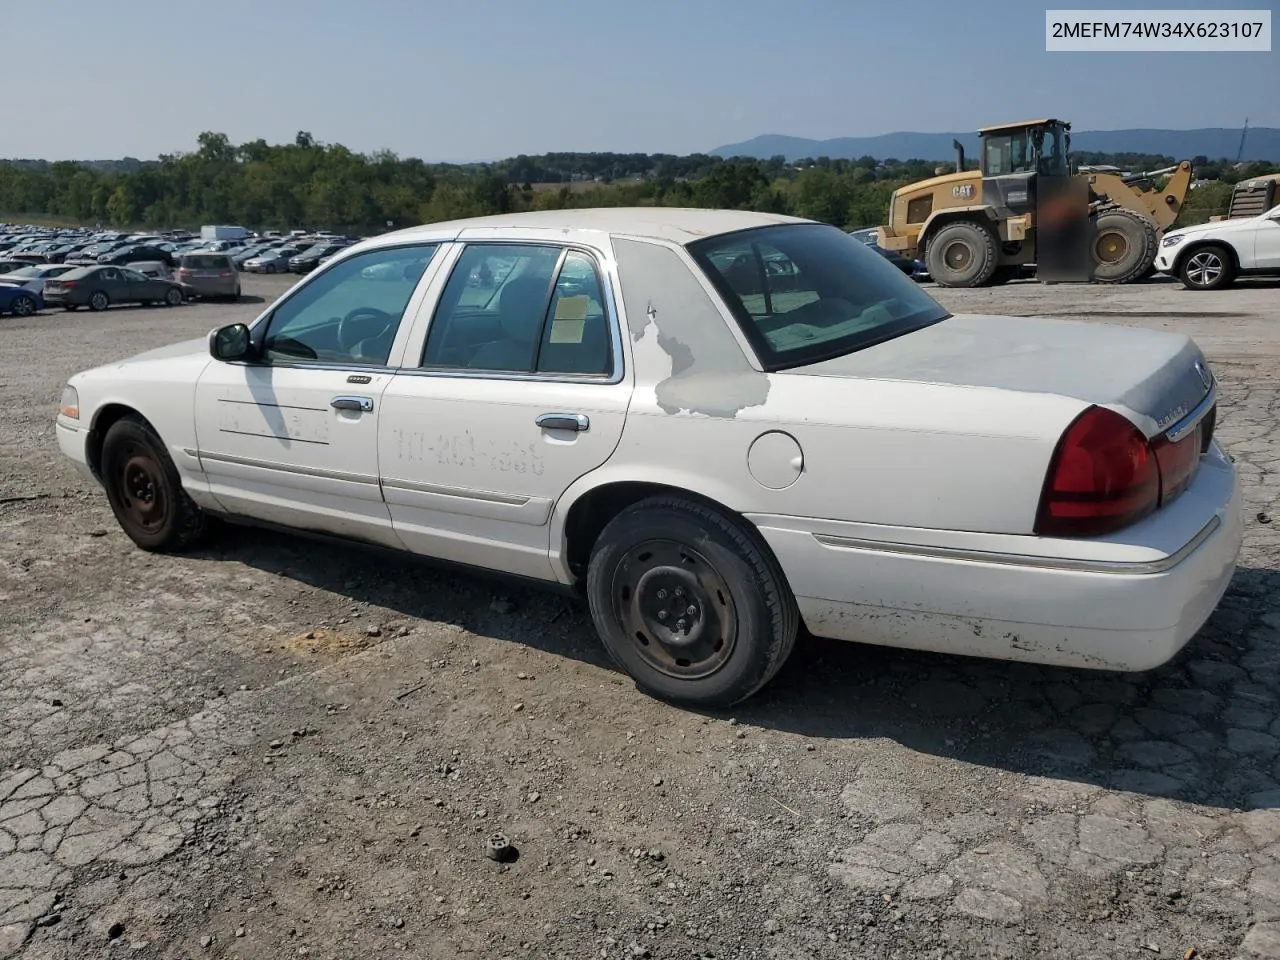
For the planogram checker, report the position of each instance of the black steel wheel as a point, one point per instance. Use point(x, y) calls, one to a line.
point(145, 491)
point(677, 606)
point(689, 603)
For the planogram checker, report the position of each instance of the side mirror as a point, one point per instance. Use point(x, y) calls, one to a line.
point(231, 342)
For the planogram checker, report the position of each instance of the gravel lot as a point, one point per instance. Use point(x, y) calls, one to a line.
point(276, 749)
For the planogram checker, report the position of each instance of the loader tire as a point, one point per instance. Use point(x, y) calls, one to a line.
point(963, 254)
point(1124, 246)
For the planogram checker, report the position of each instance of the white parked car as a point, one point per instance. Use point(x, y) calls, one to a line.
point(1209, 256)
point(712, 452)
point(33, 277)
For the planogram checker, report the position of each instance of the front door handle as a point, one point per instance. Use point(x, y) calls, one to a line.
point(577, 422)
point(363, 404)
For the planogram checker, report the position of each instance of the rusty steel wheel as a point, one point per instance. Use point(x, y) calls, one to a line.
point(144, 488)
point(144, 499)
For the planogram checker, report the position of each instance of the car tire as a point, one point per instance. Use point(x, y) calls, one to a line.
point(737, 621)
point(1206, 268)
point(145, 491)
point(23, 306)
point(173, 297)
point(99, 301)
point(1124, 245)
point(962, 254)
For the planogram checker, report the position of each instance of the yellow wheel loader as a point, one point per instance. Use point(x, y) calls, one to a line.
point(973, 228)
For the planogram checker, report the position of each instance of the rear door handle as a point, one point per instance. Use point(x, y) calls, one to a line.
point(577, 422)
point(363, 404)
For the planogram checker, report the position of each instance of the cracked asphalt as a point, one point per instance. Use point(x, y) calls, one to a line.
point(273, 748)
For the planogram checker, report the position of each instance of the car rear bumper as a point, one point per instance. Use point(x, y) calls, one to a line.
point(1109, 614)
point(212, 286)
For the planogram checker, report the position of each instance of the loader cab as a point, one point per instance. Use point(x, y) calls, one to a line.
point(1016, 155)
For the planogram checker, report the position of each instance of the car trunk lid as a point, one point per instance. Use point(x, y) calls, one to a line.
point(1155, 377)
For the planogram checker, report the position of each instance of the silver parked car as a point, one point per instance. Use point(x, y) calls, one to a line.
point(210, 274)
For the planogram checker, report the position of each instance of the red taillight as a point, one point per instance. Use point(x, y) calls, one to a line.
point(1177, 462)
point(1104, 476)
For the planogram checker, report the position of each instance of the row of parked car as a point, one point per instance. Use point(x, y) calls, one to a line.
point(42, 267)
point(297, 252)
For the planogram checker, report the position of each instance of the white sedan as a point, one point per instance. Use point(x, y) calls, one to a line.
point(633, 404)
point(1212, 255)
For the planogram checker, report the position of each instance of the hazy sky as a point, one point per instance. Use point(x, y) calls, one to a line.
point(486, 79)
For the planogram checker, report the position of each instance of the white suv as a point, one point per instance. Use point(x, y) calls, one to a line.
point(1210, 256)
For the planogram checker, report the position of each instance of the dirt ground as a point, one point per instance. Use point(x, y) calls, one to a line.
point(276, 749)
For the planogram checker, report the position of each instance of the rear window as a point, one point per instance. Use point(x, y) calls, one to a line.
point(804, 293)
point(205, 261)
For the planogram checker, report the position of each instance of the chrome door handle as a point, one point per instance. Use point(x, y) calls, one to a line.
point(577, 422)
point(363, 404)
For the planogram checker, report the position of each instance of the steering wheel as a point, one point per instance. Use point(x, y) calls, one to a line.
point(363, 323)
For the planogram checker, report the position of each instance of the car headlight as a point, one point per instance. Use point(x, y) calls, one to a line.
point(69, 405)
point(1172, 241)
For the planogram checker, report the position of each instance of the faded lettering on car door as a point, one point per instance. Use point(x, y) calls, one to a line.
point(521, 390)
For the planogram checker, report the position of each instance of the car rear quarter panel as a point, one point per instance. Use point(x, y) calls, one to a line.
point(872, 450)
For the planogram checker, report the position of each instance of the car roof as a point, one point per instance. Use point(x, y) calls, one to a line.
point(672, 224)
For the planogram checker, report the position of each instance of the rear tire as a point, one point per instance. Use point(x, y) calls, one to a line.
point(145, 491)
point(689, 604)
point(1124, 246)
point(962, 254)
point(1207, 268)
point(99, 301)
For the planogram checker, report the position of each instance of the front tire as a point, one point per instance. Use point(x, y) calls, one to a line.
point(145, 491)
point(1208, 268)
point(689, 604)
point(1124, 246)
point(173, 297)
point(962, 254)
point(23, 306)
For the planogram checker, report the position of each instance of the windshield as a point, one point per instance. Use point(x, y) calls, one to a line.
point(808, 292)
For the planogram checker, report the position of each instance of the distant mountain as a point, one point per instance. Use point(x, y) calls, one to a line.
point(1263, 143)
